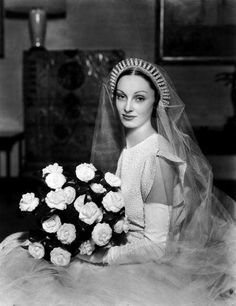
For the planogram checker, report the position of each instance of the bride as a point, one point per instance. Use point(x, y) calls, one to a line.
point(181, 243)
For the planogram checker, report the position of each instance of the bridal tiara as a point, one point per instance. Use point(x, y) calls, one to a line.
point(148, 69)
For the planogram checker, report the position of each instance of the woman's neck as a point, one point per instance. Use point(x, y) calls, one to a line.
point(135, 136)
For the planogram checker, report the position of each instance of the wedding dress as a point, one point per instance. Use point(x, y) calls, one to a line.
point(138, 272)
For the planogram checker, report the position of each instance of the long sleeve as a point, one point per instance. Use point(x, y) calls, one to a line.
point(152, 246)
point(148, 178)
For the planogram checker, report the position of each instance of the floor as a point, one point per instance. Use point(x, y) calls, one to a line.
point(11, 190)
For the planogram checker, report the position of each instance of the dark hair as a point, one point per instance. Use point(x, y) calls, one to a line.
point(136, 71)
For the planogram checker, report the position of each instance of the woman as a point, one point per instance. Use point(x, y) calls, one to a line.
point(148, 188)
point(180, 248)
point(175, 214)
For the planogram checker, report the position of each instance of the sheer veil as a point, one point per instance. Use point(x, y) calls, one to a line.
point(109, 137)
point(201, 241)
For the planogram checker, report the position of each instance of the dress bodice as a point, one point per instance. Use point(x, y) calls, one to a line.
point(135, 181)
point(137, 167)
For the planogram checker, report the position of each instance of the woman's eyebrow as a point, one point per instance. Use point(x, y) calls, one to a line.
point(120, 91)
point(140, 91)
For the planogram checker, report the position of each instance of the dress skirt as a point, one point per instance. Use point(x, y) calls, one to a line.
point(25, 281)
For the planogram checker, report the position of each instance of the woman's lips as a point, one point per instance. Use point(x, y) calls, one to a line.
point(128, 117)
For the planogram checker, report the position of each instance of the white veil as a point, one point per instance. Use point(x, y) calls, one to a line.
point(200, 241)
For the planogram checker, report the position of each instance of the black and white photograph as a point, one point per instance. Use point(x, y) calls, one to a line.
point(118, 152)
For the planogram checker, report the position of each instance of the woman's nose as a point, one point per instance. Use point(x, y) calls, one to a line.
point(128, 106)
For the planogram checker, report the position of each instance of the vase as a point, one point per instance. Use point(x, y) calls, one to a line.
point(37, 27)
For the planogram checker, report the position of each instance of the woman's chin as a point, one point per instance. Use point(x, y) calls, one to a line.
point(129, 124)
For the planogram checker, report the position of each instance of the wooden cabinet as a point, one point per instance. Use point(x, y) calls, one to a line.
point(61, 93)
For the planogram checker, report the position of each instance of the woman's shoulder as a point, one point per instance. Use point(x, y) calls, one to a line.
point(166, 150)
point(161, 144)
point(159, 149)
point(148, 149)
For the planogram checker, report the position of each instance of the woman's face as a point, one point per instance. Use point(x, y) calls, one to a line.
point(134, 101)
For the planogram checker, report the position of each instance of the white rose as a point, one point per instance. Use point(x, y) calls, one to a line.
point(56, 199)
point(70, 194)
point(112, 179)
point(52, 224)
point(28, 202)
point(36, 250)
point(52, 168)
point(79, 202)
point(121, 226)
point(87, 248)
point(66, 233)
point(101, 234)
point(90, 213)
point(55, 180)
point(113, 201)
point(60, 257)
point(85, 172)
point(98, 188)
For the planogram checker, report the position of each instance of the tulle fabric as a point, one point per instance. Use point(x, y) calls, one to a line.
point(109, 137)
point(26, 281)
point(200, 241)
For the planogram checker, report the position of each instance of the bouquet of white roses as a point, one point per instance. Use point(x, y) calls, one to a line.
point(75, 213)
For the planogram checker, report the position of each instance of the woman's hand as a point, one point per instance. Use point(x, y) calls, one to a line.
point(96, 258)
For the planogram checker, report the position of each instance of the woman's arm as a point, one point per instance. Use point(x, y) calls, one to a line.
point(157, 211)
point(152, 246)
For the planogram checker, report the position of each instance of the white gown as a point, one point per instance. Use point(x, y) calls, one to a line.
point(131, 278)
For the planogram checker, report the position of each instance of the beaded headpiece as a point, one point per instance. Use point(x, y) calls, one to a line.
point(148, 69)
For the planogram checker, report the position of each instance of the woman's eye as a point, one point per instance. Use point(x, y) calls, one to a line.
point(140, 98)
point(120, 97)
